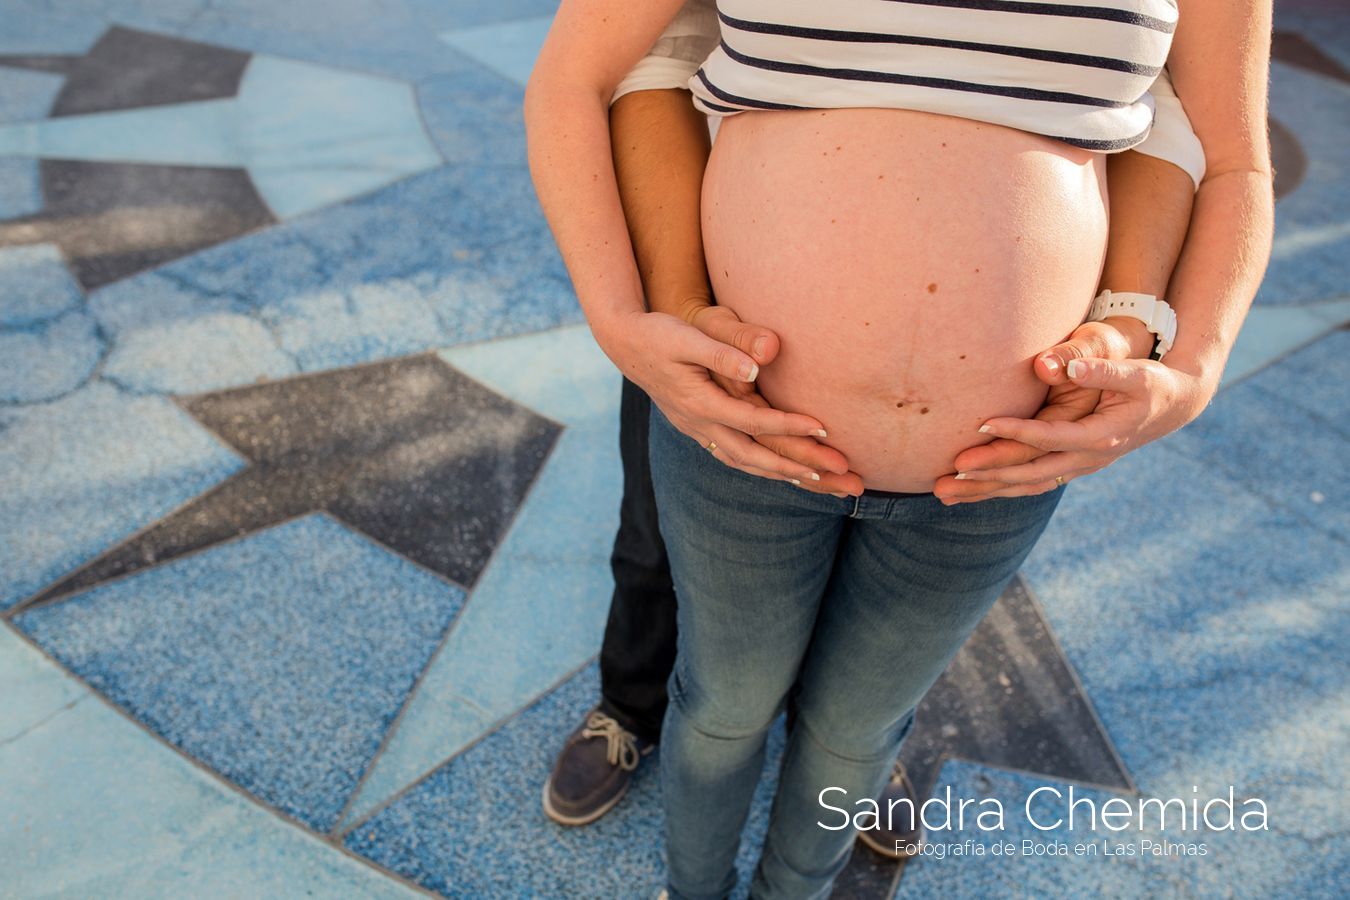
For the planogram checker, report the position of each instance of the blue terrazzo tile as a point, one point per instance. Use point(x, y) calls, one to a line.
point(47, 26)
point(96, 807)
point(1200, 596)
point(26, 94)
point(467, 243)
point(367, 35)
point(157, 298)
point(279, 659)
point(1310, 258)
point(48, 359)
point(151, 16)
point(35, 285)
point(204, 353)
point(1235, 864)
point(20, 188)
point(507, 48)
point(36, 691)
point(308, 135)
point(538, 611)
point(474, 117)
point(87, 471)
point(170, 335)
point(329, 328)
point(1270, 333)
point(475, 828)
point(472, 15)
point(1285, 434)
point(1323, 22)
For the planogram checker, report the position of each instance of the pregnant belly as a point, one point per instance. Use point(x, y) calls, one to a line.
point(912, 265)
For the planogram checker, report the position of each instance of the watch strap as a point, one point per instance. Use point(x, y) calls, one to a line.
point(1156, 314)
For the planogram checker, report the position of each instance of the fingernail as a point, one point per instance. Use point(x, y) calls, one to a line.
point(841, 496)
point(813, 476)
point(760, 346)
point(749, 372)
point(986, 429)
point(1051, 364)
point(795, 481)
point(1077, 368)
point(961, 476)
point(820, 432)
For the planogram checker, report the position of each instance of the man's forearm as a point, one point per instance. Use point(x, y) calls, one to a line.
point(661, 148)
point(1150, 213)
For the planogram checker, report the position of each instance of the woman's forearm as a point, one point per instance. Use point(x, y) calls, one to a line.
point(1220, 67)
point(1220, 269)
point(567, 130)
point(589, 48)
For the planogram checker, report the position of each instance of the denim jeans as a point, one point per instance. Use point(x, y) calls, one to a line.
point(858, 602)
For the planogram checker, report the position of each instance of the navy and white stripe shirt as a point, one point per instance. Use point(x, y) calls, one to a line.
point(1079, 71)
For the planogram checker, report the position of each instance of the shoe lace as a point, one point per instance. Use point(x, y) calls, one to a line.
point(621, 749)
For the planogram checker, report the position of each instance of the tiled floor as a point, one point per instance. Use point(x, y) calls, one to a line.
point(308, 480)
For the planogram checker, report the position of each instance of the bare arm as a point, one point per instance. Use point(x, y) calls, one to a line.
point(661, 148)
point(1150, 213)
point(591, 45)
point(1219, 64)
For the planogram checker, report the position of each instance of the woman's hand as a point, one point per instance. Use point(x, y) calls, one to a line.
point(1101, 405)
point(675, 363)
point(723, 325)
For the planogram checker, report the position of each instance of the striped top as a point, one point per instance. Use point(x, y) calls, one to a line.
point(1077, 71)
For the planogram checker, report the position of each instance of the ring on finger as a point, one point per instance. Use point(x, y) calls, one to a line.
point(1059, 480)
point(712, 445)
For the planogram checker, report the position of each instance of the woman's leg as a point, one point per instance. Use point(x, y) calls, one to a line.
point(912, 580)
point(750, 558)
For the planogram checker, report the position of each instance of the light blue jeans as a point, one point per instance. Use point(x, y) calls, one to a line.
point(855, 604)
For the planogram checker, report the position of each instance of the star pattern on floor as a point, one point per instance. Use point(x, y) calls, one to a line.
point(157, 147)
point(420, 470)
point(407, 451)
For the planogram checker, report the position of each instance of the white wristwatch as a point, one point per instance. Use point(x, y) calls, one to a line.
point(1154, 313)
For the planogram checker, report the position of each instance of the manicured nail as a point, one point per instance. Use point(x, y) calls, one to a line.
point(760, 346)
point(986, 429)
point(962, 476)
point(841, 496)
point(749, 372)
point(1051, 364)
point(1077, 368)
point(820, 432)
point(795, 481)
point(813, 476)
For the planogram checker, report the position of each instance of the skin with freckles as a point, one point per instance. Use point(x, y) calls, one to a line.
point(912, 266)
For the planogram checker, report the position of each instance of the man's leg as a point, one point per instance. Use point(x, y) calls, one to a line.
point(597, 761)
point(639, 645)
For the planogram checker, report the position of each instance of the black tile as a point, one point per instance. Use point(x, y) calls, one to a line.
point(112, 220)
point(127, 69)
point(1010, 699)
point(409, 451)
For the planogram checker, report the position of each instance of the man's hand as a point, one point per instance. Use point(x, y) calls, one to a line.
point(674, 363)
point(1101, 405)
